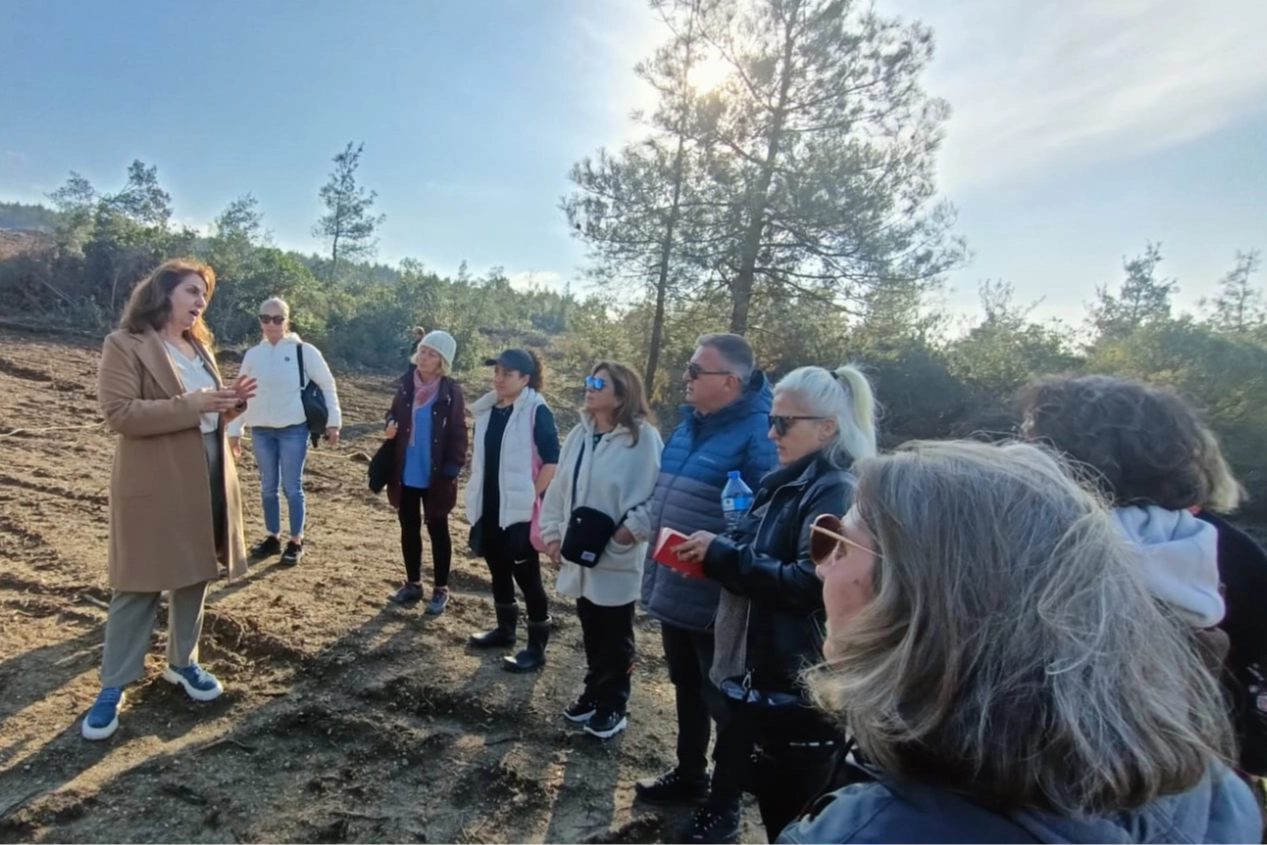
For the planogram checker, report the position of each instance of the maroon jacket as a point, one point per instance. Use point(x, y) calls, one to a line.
point(448, 441)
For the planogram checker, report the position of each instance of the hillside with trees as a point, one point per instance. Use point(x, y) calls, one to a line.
point(794, 201)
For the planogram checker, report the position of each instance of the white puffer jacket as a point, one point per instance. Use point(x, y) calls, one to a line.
point(514, 478)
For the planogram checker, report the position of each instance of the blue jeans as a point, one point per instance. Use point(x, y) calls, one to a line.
point(280, 453)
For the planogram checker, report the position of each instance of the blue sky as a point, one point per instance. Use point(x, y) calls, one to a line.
point(1081, 130)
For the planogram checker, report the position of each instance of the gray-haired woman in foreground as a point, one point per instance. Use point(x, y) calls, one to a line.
point(1005, 672)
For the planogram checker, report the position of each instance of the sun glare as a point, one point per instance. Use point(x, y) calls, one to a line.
point(709, 73)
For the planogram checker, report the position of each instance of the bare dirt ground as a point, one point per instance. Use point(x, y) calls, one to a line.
point(344, 718)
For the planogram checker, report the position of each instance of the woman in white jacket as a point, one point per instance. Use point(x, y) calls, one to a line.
point(279, 430)
point(610, 463)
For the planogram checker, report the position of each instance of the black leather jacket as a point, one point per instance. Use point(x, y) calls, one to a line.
point(767, 560)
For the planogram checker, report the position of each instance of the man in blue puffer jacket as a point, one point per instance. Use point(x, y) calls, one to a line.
point(725, 429)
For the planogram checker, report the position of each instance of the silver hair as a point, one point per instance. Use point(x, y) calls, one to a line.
point(1010, 649)
point(735, 351)
point(844, 396)
point(278, 302)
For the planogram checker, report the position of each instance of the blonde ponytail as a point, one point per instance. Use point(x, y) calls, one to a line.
point(843, 395)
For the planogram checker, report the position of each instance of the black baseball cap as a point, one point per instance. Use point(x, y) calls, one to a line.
point(514, 359)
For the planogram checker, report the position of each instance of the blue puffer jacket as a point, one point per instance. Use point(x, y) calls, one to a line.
point(693, 469)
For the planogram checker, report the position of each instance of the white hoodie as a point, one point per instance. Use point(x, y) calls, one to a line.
point(1179, 557)
point(277, 403)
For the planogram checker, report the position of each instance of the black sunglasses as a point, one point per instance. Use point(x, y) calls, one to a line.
point(781, 423)
point(694, 371)
point(275, 319)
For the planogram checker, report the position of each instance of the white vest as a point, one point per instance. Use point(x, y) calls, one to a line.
point(514, 478)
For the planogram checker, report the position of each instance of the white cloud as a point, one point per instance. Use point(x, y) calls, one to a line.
point(1042, 84)
point(612, 37)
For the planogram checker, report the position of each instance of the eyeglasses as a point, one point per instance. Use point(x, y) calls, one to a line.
point(275, 319)
point(595, 382)
point(827, 534)
point(694, 371)
point(782, 422)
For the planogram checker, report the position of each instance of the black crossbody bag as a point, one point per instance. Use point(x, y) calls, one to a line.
point(589, 530)
point(314, 401)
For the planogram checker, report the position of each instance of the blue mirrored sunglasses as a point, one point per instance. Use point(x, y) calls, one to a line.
point(595, 382)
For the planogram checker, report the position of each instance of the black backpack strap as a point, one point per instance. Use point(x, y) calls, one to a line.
point(303, 377)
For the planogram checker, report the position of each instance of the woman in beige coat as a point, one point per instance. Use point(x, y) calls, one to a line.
point(175, 512)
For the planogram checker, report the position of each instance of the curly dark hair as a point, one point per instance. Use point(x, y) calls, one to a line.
point(1145, 445)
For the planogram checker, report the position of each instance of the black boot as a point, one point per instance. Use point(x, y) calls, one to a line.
point(533, 657)
point(503, 636)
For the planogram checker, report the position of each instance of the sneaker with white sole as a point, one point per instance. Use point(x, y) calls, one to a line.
point(580, 711)
point(200, 684)
point(103, 717)
point(605, 724)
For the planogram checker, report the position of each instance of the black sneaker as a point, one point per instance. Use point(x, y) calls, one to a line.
point(293, 554)
point(407, 594)
point(672, 788)
point(712, 824)
point(605, 724)
point(579, 711)
point(266, 548)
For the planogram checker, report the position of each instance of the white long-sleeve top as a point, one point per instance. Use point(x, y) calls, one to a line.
point(276, 368)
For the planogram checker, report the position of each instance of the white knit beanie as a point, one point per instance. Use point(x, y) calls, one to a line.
point(441, 342)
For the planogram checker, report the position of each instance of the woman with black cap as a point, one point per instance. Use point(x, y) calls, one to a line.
point(516, 452)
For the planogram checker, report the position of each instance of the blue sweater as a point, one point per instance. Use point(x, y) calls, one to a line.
point(693, 468)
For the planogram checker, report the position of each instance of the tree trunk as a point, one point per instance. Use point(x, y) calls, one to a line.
point(666, 253)
point(741, 288)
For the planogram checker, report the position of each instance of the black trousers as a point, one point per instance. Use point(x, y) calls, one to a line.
point(690, 657)
point(512, 560)
point(786, 778)
point(608, 635)
point(414, 503)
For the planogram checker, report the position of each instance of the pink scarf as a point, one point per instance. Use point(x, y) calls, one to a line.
point(424, 393)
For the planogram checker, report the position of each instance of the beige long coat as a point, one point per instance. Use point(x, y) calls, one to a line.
point(161, 532)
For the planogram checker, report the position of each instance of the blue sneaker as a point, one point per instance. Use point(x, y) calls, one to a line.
point(103, 717)
point(199, 683)
point(439, 600)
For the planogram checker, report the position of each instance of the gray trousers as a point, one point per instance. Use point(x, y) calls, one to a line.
point(131, 623)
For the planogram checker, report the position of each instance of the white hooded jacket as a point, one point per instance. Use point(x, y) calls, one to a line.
point(277, 403)
point(1179, 560)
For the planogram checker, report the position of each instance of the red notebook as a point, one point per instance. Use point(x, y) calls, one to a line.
point(667, 541)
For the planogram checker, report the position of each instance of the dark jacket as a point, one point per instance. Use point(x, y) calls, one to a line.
point(448, 440)
point(1243, 573)
point(693, 468)
point(1218, 809)
point(767, 561)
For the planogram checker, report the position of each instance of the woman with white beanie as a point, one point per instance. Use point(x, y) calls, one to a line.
point(427, 421)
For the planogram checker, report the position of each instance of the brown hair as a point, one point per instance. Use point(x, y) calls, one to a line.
point(538, 379)
point(1011, 650)
point(150, 304)
point(1144, 443)
point(634, 407)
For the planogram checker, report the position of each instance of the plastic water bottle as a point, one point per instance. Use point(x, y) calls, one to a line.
point(736, 499)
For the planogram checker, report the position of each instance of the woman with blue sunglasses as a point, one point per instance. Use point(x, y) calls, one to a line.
point(595, 522)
